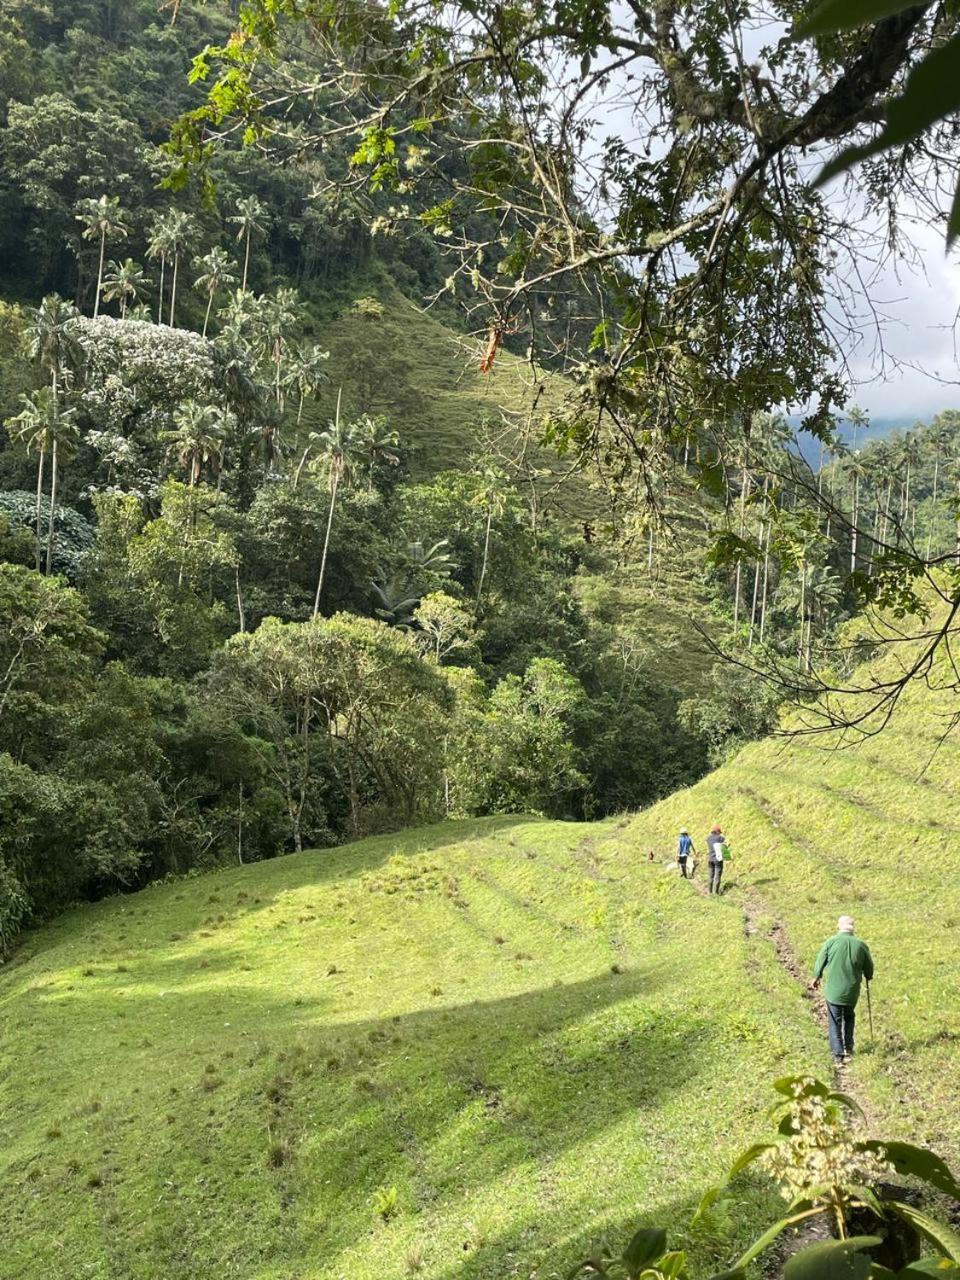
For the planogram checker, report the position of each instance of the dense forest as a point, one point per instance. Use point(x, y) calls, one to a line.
point(248, 605)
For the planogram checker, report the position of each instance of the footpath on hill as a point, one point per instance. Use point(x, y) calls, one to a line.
point(870, 832)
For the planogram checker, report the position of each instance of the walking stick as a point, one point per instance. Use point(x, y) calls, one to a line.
point(870, 1013)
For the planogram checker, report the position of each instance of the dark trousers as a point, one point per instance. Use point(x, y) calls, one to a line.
point(716, 872)
point(683, 866)
point(840, 1022)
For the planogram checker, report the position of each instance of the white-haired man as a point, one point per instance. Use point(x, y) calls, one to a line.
point(847, 961)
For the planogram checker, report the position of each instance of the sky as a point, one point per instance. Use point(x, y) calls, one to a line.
point(921, 374)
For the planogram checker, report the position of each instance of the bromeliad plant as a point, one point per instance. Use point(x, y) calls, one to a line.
point(825, 1171)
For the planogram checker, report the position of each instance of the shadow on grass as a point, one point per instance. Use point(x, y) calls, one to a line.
point(444, 1102)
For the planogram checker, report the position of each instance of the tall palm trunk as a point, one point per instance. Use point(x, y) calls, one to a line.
point(240, 613)
point(246, 261)
point(173, 286)
point(103, 245)
point(163, 264)
point(53, 504)
point(486, 556)
point(803, 606)
point(206, 318)
point(334, 484)
point(766, 583)
point(744, 494)
point(936, 488)
point(853, 529)
point(40, 469)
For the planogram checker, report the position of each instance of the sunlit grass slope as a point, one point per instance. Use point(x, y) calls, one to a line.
point(526, 1028)
point(872, 830)
point(392, 357)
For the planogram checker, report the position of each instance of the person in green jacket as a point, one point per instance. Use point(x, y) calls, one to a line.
point(847, 961)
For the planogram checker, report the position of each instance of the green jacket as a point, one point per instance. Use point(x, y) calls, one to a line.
point(847, 961)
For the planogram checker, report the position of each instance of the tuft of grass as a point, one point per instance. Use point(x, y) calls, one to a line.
point(278, 1154)
point(386, 1202)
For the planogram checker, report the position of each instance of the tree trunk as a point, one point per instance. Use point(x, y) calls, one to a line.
point(744, 494)
point(206, 318)
point(240, 614)
point(486, 557)
point(853, 529)
point(40, 468)
point(766, 583)
point(173, 286)
point(96, 301)
point(334, 483)
point(296, 478)
point(163, 263)
point(53, 504)
point(246, 262)
point(240, 823)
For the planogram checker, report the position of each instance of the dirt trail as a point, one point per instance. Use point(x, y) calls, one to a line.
point(759, 921)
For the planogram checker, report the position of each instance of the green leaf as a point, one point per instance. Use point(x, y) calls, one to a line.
point(846, 1100)
point(768, 1237)
point(747, 1157)
point(847, 15)
point(931, 93)
point(924, 1268)
point(647, 1245)
point(708, 1200)
point(916, 1162)
point(939, 1234)
point(869, 1198)
point(737, 1273)
point(672, 1265)
point(809, 1087)
point(832, 1260)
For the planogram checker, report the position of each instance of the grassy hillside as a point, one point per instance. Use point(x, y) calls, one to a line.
point(818, 829)
point(524, 1027)
point(392, 357)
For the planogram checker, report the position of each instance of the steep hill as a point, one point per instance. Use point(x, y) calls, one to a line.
point(524, 1027)
point(819, 829)
point(469, 1049)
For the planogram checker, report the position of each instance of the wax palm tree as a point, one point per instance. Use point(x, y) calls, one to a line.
point(49, 339)
point(250, 218)
point(102, 219)
point(43, 424)
point(125, 281)
point(939, 436)
point(197, 437)
point(376, 445)
point(216, 274)
point(305, 373)
point(160, 244)
point(32, 427)
point(855, 470)
point(492, 499)
point(879, 477)
point(910, 456)
point(335, 451)
point(281, 313)
point(860, 421)
point(181, 229)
